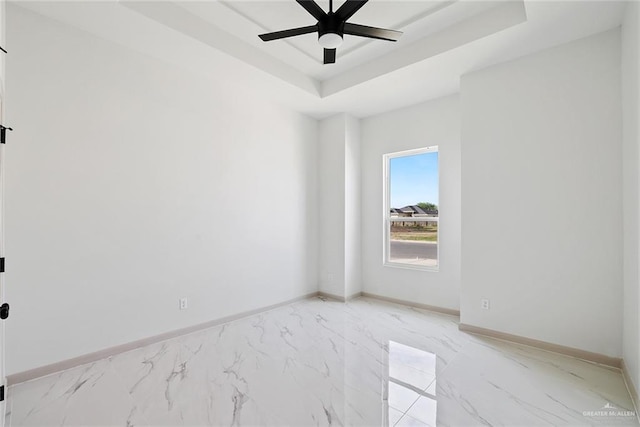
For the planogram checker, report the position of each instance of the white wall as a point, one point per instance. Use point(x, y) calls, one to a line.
point(432, 123)
point(339, 165)
point(541, 185)
point(631, 161)
point(132, 183)
point(353, 211)
point(331, 207)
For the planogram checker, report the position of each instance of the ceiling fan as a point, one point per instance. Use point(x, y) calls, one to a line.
point(332, 27)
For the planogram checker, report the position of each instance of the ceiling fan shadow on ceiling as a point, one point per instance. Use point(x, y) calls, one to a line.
point(332, 26)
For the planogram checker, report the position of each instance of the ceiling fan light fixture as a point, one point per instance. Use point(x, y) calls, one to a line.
point(330, 40)
point(332, 26)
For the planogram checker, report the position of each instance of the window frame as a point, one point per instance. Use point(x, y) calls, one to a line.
point(386, 215)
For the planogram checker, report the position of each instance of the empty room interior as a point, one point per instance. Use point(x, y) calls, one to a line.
point(297, 212)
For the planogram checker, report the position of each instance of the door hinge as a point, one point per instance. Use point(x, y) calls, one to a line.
point(4, 311)
point(3, 134)
point(2, 265)
point(1, 393)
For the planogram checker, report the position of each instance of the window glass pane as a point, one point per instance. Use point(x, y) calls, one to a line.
point(413, 209)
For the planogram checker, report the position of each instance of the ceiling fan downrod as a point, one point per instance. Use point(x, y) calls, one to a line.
point(331, 27)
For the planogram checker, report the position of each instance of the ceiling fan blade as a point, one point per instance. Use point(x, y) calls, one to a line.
point(313, 8)
point(329, 56)
point(371, 32)
point(288, 33)
point(349, 7)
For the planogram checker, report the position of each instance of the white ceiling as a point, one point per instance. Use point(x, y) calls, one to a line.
point(246, 19)
point(429, 27)
point(442, 40)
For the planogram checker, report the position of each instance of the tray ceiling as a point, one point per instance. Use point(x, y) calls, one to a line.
point(429, 27)
point(442, 41)
point(273, 16)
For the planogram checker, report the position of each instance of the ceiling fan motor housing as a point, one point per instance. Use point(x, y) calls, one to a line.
point(331, 27)
point(332, 23)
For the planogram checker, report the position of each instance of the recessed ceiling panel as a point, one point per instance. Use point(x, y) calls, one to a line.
point(213, 40)
point(280, 15)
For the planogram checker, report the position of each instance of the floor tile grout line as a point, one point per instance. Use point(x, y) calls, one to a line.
point(413, 404)
point(454, 358)
point(458, 353)
point(461, 353)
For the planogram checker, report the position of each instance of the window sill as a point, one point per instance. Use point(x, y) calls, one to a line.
point(403, 266)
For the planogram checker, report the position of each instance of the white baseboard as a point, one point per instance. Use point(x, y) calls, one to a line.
point(413, 304)
point(63, 365)
point(340, 298)
point(331, 296)
point(633, 391)
point(614, 362)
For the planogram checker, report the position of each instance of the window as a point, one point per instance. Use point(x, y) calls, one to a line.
point(411, 209)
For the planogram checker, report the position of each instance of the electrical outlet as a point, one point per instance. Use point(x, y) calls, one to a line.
point(484, 303)
point(184, 303)
point(330, 277)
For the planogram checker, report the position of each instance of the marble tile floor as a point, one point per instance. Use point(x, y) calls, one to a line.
point(320, 362)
